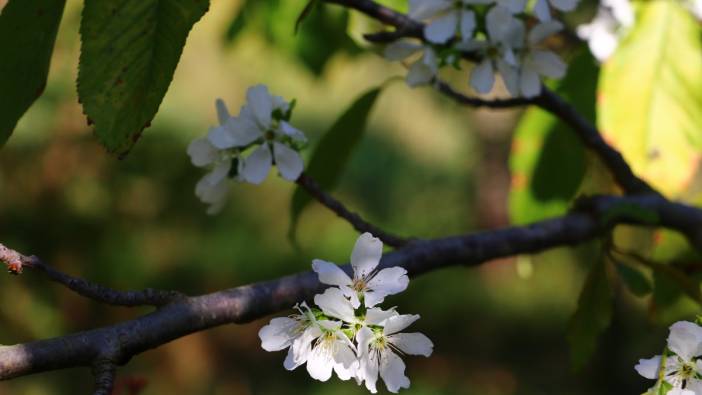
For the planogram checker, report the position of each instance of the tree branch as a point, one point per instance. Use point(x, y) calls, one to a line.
point(358, 223)
point(16, 261)
point(590, 219)
point(105, 372)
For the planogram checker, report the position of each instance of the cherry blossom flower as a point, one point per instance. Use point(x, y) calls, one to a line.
point(368, 285)
point(262, 120)
point(379, 352)
point(681, 369)
point(505, 34)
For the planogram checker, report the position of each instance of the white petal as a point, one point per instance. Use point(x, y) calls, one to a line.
point(363, 338)
point(320, 364)
point(565, 5)
point(467, 24)
point(510, 76)
point(419, 74)
point(366, 255)
point(398, 323)
point(210, 192)
point(547, 63)
point(257, 165)
point(499, 21)
point(442, 29)
point(685, 339)
point(288, 161)
point(542, 11)
point(694, 385)
point(221, 137)
point(222, 111)
point(334, 304)
point(292, 132)
point(242, 131)
point(400, 50)
point(482, 77)
point(202, 152)
point(514, 6)
point(529, 83)
point(302, 345)
point(330, 273)
point(542, 31)
point(412, 343)
point(345, 356)
point(289, 362)
point(392, 370)
point(388, 281)
point(680, 391)
point(278, 334)
point(377, 316)
point(261, 104)
point(424, 9)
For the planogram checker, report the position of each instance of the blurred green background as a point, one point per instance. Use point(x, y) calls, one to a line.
point(426, 168)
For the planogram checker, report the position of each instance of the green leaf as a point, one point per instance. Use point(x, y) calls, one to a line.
point(650, 101)
point(27, 35)
point(548, 160)
point(635, 281)
point(320, 36)
point(130, 49)
point(333, 152)
point(305, 13)
point(592, 315)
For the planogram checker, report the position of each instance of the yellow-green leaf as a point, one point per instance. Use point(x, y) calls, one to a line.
point(650, 103)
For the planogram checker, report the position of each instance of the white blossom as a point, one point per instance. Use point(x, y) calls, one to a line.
point(505, 34)
point(257, 121)
point(541, 8)
point(423, 69)
point(613, 19)
point(379, 352)
point(681, 369)
point(696, 8)
point(368, 285)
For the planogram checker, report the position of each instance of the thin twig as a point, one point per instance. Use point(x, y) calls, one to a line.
point(15, 262)
point(104, 372)
point(358, 223)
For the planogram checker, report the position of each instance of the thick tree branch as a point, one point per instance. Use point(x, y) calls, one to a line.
point(16, 261)
point(358, 223)
point(120, 342)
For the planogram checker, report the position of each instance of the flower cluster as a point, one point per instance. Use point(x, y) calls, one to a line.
point(245, 147)
point(680, 366)
point(345, 332)
point(501, 41)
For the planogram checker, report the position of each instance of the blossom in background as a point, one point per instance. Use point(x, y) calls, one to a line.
point(682, 369)
point(542, 11)
point(538, 61)
point(340, 335)
point(613, 19)
point(261, 119)
point(422, 70)
point(505, 33)
point(378, 352)
point(368, 285)
point(261, 127)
